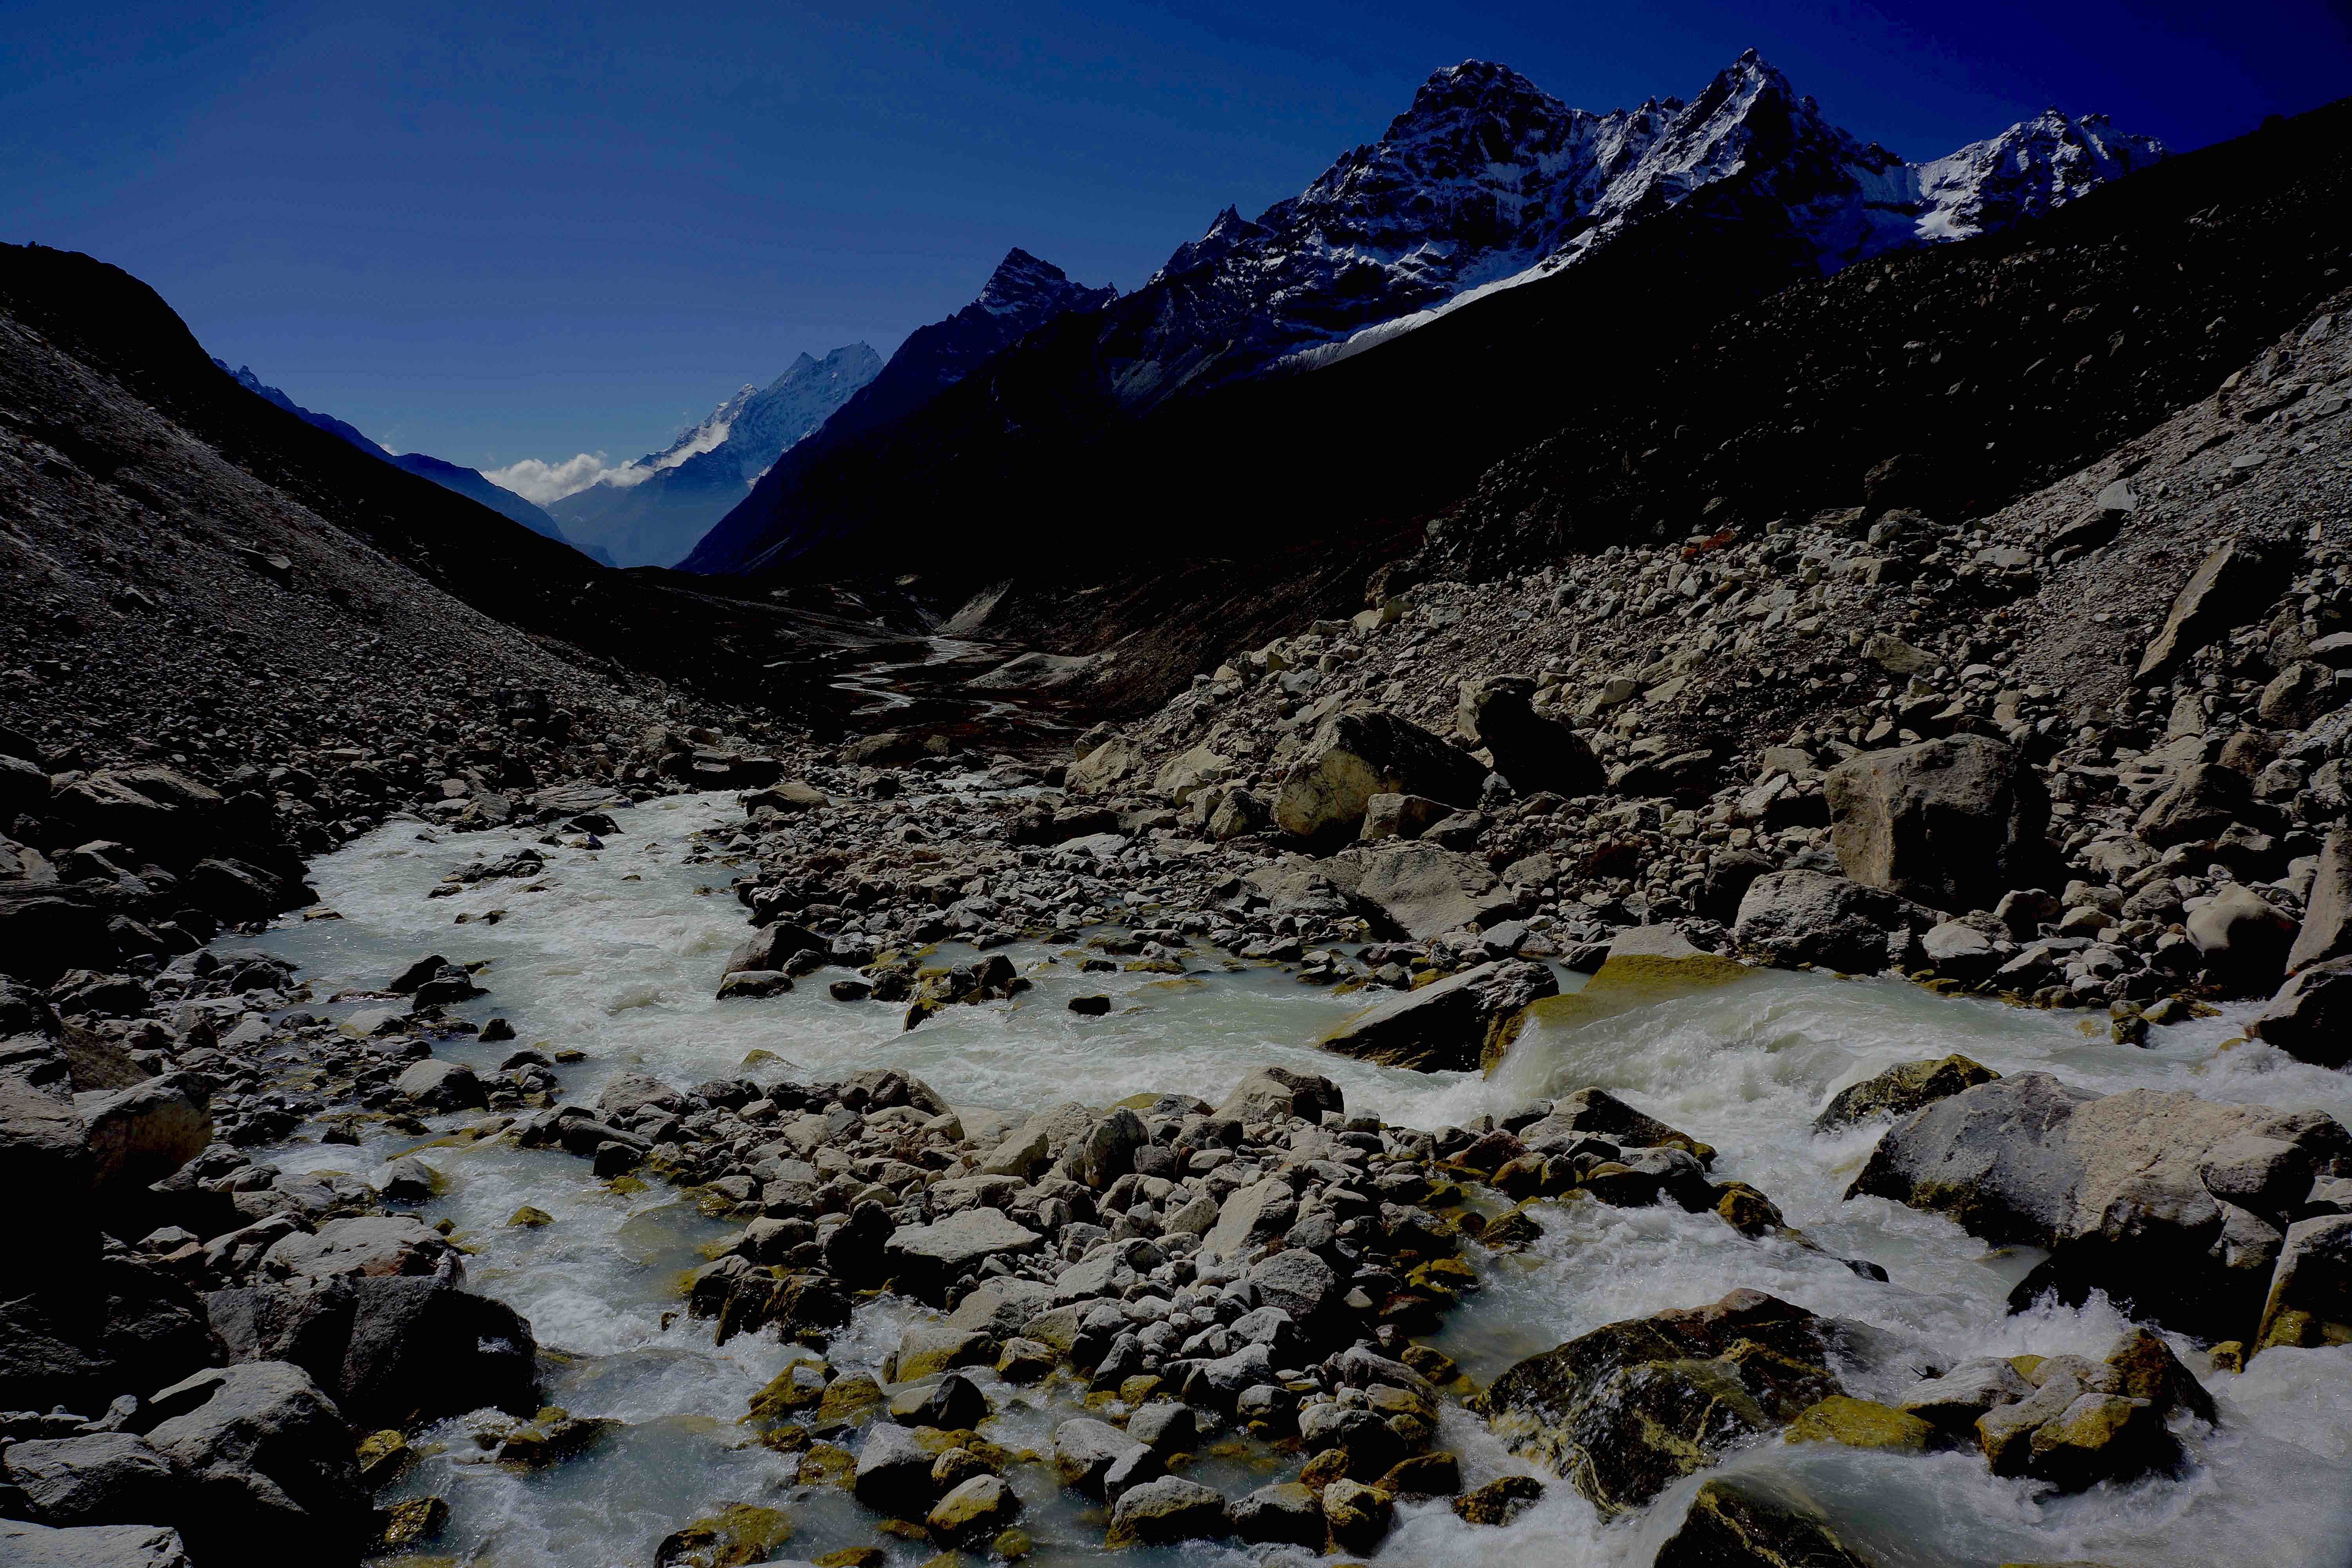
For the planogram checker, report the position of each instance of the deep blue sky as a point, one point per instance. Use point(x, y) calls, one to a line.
point(527, 231)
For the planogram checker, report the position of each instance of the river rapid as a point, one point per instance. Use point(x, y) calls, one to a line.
point(618, 957)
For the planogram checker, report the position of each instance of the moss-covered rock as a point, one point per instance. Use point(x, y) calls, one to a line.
point(1623, 1411)
point(738, 1534)
point(1860, 1423)
point(1900, 1090)
point(1732, 1525)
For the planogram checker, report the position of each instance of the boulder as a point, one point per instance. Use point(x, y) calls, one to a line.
point(1532, 753)
point(42, 1147)
point(271, 1463)
point(2131, 1193)
point(106, 1478)
point(2201, 803)
point(1250, 1217)
point(23, 1544)
point(391, 1349)
point(1423, 890)
point(370, 1244)
point(442, 1086)
point(1296, 1282)
point(982, 1507)
point(1109, 769)
point(143, 1133)
point(1108, 1151)
point(1902, 1089)
point(1400, 816)
point(1951, 824)
point(1359, 1514)
point(2310, 1019)
point(1597, 1113)
point(1285, 1514)
point(156, 809)
point(87, 1329)
point(2310, 1300)
point(1738, 1524)
point(1268, 1093)
point(768, 949)
point(1187, 775)
point(894, 1468)
point(927, 1258)
point(1168, 1510)
point(2326, 928)
point(1450, 1026)
point(1792, 918)
point(2230, 586)
point(1622, 1413)
point(1361, 752)
point(2243, 938)
point(1085, 1452)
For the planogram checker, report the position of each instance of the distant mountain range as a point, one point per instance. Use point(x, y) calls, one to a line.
point(651, 511)
point(468, 482)
point(1486, 190)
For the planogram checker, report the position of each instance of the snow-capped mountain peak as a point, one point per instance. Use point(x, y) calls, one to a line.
point(1486, 181)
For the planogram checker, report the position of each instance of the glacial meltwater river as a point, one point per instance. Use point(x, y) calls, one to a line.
point(620, 954)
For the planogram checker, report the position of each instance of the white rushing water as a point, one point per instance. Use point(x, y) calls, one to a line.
point(620, 953)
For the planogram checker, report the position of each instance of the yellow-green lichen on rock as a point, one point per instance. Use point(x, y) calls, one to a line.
point(1646, 965)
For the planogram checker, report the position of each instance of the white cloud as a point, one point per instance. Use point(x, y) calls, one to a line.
point(541, 482)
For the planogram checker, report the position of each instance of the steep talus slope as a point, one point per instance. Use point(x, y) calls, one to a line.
point(653, 511)
point(95, 354)
point(467, 482)
point(1984, 369)
point(1486, 191)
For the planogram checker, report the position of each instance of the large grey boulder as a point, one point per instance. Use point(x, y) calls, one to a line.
point(2310, 1300)
point(1531, 752)
point(1423, 890)
point(442, 1086)
point(106, 1478)
point(271, 1458)
point(2310, 1019)
point(364, 1245)
point(1451, 1024)
point(2326, 928)
point(1108, 1151)
point(1361, 752)
point(2230, 586)
point(1087, 1451)
point(2243, 938)
point(23, 1544)
point(1791, 918)
point(2201, 803)
point(2158, 1199)
point(927, 1258)
point(1268, 1093)
point(1952, 823)
point(143, 1133)
point(41, 1146)
point(1250, 1217)
point(390, 1349)
point(1167, 1511)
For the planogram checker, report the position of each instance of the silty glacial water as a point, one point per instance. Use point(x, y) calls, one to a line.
point(619, 956)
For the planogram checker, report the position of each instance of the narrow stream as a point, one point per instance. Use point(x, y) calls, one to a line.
point(618, 958)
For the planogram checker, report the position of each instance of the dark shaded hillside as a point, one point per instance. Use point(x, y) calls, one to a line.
point(1036, 454)
point(323, 497)
point(1983, 370)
